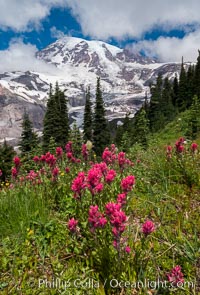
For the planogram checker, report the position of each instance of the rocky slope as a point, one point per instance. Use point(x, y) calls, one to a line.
point(76, 63)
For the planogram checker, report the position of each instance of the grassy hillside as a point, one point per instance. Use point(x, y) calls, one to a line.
point(129, 225)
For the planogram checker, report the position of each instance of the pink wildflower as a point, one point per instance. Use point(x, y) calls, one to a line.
point(127, 249)
point(102, 167)
point(14, 172)
point(43, 158)
point(84, 152)
point(50, 159)
point(111, 208)
point(169, 151)
point(179, 145)
point(115, 244)
point(148, 227)
point(93, 179)
point(36, 159)
point(175, 276)
point(78, 184)
point(55, 172)
point(96, 218)
point(117, 219)
point(98, 188)
point(194, 147)
point(32, 175)
point(67, 169)
point(1, 173)
point(121, 199)
point(121, 160)
point(59, 152)
point(17, 162)
point(69, 155)
point(127, 183)
point(107, 156)
point(72, 225)
point(111, 174)
point(68, 147)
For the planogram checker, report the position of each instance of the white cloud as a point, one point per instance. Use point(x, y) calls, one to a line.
point(23, 15)
point(171, 49)
point(122, 18)
point(132, 18)
point(55, 33)
point(21, 57)
point(105, 19)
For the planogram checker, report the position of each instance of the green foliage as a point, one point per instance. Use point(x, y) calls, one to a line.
point(182, 92)
point(52, 145)
point(101, 134)
point(35, 240)
point(75, 136)
point(197, 77)
point(155, 115)
point(28, 140)
point(141, 128)
point(193, 119)
point(88, 118)
point(56, 122)
point(6, 160)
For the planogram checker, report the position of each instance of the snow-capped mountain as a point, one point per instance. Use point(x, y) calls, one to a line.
point(75, 64)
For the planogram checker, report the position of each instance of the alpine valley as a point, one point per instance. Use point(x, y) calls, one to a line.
point(75, 63)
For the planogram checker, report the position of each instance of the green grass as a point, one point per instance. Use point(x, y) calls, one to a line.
point(36, 244)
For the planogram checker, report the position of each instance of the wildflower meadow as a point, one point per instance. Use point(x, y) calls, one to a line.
point(117, 224)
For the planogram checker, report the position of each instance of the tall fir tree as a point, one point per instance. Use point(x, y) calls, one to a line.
point(76, 138)
point(190, 86)
point(101, 134)
point(167, 107)
point(175, 91)
point(155, 115)
point(182, 92)
point(56, 122)
point(88, 118)
point(49, 120)
point(123, 133)
point(28, 139)
point(197, 76)
point(141, 128)
point(6, 160)
point(194, 119)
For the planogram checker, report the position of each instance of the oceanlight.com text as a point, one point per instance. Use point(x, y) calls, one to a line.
point(90, 283)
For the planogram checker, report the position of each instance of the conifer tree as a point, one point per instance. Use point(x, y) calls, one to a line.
point(155, 115)
point(101, 134)
point(87, 120)
point(167, 107)
point(182, 92)
point(28, 140)
point(141, 128)
point(175, 91)
point(49, 120)
point(52, 146)
point(76, 139)
point(6, 160)
point(56, 122)
point(123, 133)
point(190, 87)
point(197, 76)
point(194, 119)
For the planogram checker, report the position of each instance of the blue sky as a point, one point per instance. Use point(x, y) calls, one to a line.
point(61, 22)
point(167, 30)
